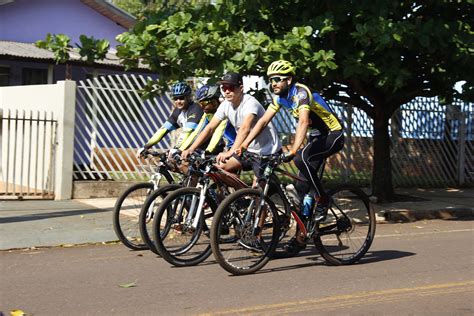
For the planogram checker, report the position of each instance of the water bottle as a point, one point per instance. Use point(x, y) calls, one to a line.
point(307, 205)
point(213, 194)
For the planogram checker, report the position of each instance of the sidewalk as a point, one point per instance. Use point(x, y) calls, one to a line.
point(28, 223)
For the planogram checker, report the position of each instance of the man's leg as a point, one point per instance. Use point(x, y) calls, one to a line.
point(232, 165)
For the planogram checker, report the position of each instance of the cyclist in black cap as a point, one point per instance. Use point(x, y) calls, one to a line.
point(242, 110)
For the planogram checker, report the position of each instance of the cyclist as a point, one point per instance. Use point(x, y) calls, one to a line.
point(242, 111)
point(325, 135)
point(208, 97)
point(185, 115)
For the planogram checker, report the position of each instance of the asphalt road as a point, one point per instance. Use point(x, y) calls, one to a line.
point(421, 268)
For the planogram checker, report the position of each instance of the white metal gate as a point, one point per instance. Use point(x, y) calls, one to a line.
point(28, 143)
point(112, 121)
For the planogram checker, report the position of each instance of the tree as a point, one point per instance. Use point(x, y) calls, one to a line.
point(135, 7)
point(376, 55)
point(90, 49)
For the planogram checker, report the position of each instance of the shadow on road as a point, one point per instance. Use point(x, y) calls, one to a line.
point(317, 260)
point(384, 255)
point(40, 216)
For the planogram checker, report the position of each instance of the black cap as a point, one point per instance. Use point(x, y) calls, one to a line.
point(232, 78)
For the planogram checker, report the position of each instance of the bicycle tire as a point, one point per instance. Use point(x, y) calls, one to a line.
point(286, 221)
point(231, 233)
point(145, 220)
point(349, 229)
point(125, 215)
point(174, 240)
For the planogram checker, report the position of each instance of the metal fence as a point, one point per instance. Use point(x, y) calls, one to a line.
point(112, 121)
point(28, 154)
point(431, 143)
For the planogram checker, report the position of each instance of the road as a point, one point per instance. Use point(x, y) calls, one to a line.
point(421, 268)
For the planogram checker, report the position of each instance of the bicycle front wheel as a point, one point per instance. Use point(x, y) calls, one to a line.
point(242, 241)
point(179, 237)
point(349, 229)
point(126, 213)
point(145, 220)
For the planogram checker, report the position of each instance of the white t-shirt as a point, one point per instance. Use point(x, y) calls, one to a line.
point(267, 141)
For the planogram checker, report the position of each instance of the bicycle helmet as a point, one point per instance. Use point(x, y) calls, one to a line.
point(180, 89)
point(208, 92)
point(281, 67)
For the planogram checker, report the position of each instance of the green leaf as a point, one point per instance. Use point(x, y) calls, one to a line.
point(128, 285)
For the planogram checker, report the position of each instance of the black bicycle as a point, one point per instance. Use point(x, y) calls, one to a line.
point(182, 220)
point(248, 224)
point(128, 206)
point(155, 198)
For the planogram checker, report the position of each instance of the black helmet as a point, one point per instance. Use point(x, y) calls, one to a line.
point(208, 92)
point(180, 89)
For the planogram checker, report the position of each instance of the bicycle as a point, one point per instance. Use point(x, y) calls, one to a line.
point(243, 239)
point(182, 220)
point(155, 198)
point(127, 207)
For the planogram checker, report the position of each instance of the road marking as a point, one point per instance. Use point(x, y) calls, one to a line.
point(363, 298)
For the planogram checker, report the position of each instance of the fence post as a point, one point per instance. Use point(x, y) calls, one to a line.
point(461, 147)
point(65, 140)
point(348, 144)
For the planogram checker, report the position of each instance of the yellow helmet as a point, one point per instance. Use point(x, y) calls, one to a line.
point(281, 67)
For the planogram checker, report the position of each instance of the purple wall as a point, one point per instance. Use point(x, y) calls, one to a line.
point(30, 20)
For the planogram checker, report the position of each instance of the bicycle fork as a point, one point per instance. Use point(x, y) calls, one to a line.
point(195, 213)
point(156, 183)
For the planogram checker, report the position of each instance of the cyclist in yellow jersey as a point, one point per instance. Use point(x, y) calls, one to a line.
point(208, 98)
point(314, 116)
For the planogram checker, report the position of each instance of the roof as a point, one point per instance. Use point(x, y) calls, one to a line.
point(114, 13)
point(28, 51)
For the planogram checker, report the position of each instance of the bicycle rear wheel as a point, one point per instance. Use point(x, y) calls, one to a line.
point(126, 213)
point(176, 240)
point(237, 247)
point(349, 229)
point(145, 220)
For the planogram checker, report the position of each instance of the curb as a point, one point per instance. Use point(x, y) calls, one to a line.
point(403, 216)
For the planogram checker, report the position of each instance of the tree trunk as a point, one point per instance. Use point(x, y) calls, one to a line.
point(382, 186)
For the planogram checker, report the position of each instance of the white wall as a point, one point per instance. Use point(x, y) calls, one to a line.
point(58, 101)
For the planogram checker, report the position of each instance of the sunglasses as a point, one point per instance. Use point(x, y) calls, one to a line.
point(179, 98)
point(229, 87)
point(277, 79)
point(205, 103)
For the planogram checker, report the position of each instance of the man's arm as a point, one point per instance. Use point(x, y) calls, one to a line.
point(257, 129)
point(244, 131)
point(242, 134)
point(301, 129)
point(203, 136)
point(217, 136)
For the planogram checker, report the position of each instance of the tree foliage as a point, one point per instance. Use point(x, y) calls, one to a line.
point(90, 49)
point(376, 55)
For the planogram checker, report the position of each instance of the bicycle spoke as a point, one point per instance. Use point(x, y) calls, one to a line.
point(240, 245)
point(347, 233)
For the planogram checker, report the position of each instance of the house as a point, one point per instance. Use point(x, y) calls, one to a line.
point(23, 22)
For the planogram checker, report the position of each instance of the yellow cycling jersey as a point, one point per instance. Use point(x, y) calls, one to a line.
point(300, 97)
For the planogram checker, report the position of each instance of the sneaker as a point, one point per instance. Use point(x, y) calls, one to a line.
point(253, 245)
point(294, 247)
point(321, 211)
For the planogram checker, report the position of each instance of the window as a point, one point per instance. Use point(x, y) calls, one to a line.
point(4, 76)
point(34, 76)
